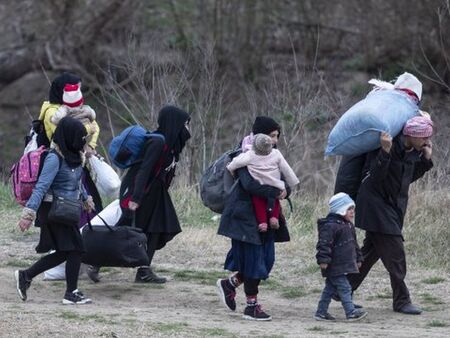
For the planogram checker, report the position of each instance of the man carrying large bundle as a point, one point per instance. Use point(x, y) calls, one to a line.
point(382, 200)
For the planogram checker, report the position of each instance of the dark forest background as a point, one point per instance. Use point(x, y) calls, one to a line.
point(302, 62)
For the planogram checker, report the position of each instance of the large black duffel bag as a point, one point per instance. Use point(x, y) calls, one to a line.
point(120, 246)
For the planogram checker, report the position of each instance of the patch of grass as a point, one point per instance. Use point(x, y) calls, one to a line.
point(209, 293)
point(190, 209)
point(201, 277)
point(384, 295)
point(316, 290)
point(148, 285)
point(6, 198)
point(272, 284)
point(57, 283)
point(215, 332)
point(312, 268)
point(18, 263)
point(109, 334)
point(430, 299)
point(433, 280)
point(316, 328)
point(111, 270)
point(430, 308)
point(292, 292)
point(437, 323)
point(100, 319)
point(69, 315)
point(170, 328)
point(338, 332)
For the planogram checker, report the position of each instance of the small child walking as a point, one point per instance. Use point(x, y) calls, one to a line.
point(338, 254)
point(266, 165)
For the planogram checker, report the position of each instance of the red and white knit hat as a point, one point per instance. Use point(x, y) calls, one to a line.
point(72, 96)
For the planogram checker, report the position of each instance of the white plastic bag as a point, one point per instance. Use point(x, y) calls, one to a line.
point(111, 214)
point(105, 178)
point(32, 144)
point(56, 273)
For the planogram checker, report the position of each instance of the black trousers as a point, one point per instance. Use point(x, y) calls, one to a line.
point(390, 250)
point(152, 244)
point(251, 286)
point(73, 262)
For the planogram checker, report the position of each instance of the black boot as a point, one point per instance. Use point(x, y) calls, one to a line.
point(146, 275)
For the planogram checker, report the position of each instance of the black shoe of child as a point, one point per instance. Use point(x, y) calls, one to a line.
point(22, 284)
point(75, 297)
point(357, 314)
point(93, 273)
point(324, 317)
point(227, 293)
point(146, 275)
point(255, 312)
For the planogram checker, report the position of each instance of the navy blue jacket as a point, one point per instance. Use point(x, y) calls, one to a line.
point(337, 246)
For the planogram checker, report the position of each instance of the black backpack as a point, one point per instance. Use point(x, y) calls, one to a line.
point(216, 182)
point(350, 174)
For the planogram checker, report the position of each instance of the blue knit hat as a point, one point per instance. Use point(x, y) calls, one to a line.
point(340, 203)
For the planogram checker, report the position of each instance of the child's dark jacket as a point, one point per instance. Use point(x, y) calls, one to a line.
point(337, 246)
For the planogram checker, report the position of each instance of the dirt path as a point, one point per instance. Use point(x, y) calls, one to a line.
point(187, 306)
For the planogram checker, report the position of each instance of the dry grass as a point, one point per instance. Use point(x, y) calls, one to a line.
point(187, 306)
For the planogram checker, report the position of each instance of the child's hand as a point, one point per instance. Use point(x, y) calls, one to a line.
point(323, 266)
point(262, 227)
point(359, 264)
point(282, 195)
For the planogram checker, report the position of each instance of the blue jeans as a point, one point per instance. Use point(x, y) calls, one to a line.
point(336, 285)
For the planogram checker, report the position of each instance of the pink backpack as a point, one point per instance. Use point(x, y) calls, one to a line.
point(25, 173)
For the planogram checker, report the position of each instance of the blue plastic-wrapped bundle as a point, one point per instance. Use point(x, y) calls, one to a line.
point(358, 130)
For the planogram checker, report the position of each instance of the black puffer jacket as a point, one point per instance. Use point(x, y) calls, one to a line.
point(383, 195)
point(337, 246)
point(238, 219)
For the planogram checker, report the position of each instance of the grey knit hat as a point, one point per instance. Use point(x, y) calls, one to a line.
point(262, 144)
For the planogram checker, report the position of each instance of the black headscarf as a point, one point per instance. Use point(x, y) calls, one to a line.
point(171, 121)
point(265, 125)
point(57, 87)
point(70, 136)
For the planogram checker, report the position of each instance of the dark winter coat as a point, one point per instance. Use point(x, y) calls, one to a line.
point(238, 219)
point(337, 246)
point(147, 183)
point(383, 195)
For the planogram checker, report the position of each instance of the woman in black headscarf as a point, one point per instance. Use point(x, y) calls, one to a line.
point(252, 253)
point(144, 189)
point(60, 176)
point(48, 110)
